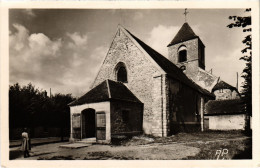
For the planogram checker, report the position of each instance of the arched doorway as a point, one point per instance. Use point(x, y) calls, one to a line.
point(88, 123)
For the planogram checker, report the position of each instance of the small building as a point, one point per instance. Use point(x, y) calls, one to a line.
point(225, 115)
point(223, 91)
point(108, 109)
point(227, 112)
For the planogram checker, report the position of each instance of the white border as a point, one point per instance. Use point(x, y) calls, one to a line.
point(128, 5)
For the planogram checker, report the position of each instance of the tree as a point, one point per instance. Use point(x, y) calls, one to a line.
point(245, 23)
point(30, 107)
point(62, 111)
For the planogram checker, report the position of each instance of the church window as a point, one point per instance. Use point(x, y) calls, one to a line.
point(182, 53)
point(121, 72)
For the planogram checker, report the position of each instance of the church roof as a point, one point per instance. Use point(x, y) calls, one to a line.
point(218, 107)
point(170, 68)
point(105, 91)
point(223, 85)
point(184, 34)
point(204, 79)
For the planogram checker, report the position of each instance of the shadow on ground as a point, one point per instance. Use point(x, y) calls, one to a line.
point(246, 153)
point(57, 158)
point(15, 154)
point(19, 154)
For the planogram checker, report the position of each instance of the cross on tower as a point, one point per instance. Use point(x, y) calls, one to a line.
point(185, 13)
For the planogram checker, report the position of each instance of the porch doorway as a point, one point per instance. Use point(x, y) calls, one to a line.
point(88, 123)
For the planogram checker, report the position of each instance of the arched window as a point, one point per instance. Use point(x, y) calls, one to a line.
point(182, 53)
point(121, 72)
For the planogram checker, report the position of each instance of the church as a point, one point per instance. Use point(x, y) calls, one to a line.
point(139, 91)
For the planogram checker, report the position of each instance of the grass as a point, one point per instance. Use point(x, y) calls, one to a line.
point(107, 156)
point(57, 158)
point(205, 146)
point(180, 138)
point(225, 150)
point(230, 149)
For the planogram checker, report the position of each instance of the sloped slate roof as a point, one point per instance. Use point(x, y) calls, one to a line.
point(204, 79)
point(184, 34)
point(217, 107)
point(170, 68)
point(223, 85)
point(105, 91)
point(119, 91)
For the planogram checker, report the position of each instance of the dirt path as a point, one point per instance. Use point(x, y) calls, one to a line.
point(168, 152)
point(153, 151)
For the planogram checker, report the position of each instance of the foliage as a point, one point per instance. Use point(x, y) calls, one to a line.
point(245, 23)
point(31, 107)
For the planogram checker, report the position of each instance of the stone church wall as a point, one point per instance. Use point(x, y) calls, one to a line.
point(201, 55)
point(129, 123)
point(140, 76)
point(184, 108)
point(192, 62)
point(223, 94)
point(160, 106)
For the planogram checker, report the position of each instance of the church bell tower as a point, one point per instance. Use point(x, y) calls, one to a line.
point(187, 51)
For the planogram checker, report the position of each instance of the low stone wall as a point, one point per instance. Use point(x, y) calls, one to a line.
point(227, 122)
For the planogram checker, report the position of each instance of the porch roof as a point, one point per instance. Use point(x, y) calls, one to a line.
point(105, 91)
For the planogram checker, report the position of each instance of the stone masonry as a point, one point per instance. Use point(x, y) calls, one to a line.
point(194, 51)
point(223, 94)
point(140, 73)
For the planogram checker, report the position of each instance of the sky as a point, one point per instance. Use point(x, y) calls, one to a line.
point(63, 49)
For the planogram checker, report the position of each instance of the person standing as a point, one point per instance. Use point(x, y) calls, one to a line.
point(25, 143)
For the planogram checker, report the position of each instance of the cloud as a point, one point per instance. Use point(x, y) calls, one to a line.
point(219, 63)
point(67, 65)
point(32, 48)
point(160, 36)
point(43, 46)
point(85, 69)
point(19, 39)
point(77, 39)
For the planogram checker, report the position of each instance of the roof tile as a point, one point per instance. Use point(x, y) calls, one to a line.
point(223, 85)
point(233, 106)
point(100, 93)
point(184, 34)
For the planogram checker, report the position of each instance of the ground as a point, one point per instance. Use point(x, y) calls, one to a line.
point(204, 145)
